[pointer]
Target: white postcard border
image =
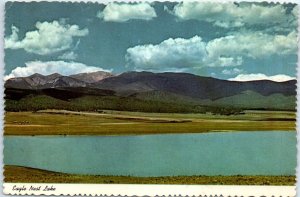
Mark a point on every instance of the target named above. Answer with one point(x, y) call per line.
point(149, 190)
point(139, 189)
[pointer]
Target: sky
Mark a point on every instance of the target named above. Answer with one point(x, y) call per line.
point(233, 41)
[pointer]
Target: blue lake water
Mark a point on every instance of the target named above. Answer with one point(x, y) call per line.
point(221, 153)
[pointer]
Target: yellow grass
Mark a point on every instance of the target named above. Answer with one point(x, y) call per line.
point(58, 122)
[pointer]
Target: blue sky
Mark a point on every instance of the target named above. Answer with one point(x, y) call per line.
point(236, 41)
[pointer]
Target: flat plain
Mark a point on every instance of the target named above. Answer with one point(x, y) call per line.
point(62, 122)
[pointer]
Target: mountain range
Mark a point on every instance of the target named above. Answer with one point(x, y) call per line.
point(38, 81)
point(165, 87)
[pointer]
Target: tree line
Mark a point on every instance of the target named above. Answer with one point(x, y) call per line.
point(98, 103)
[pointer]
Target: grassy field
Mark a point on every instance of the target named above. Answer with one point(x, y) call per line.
point(16, 174)
point(59, 122)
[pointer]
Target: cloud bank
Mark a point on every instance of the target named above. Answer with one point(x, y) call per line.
point(228, 15)
point(252, 45)
point(121, 12)
point(182, 54)
point(46, 68)
point(260, 76)
point(49, 38)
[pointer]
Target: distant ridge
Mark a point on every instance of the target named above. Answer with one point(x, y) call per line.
point(190, 85)
point(140, 90)
point(129, 83)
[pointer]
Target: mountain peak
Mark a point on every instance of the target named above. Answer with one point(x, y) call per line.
point(54, 75)
point(36, 75)
point(92, 77)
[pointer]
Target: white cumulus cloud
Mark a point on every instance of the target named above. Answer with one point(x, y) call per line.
point(171, 54)
point(233, 14)
point(121, 12)
point(50, 67)
point(260, 76)
point(182, 54)
point(48, 38)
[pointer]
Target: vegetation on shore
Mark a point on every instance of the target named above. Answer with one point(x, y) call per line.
point(17, 174)
point(96, 103)
point(60, 122)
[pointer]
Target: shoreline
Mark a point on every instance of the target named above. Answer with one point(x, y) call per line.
point(142, 134)
point(19, 174)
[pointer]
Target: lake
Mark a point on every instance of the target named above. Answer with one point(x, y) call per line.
point(218, 153)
